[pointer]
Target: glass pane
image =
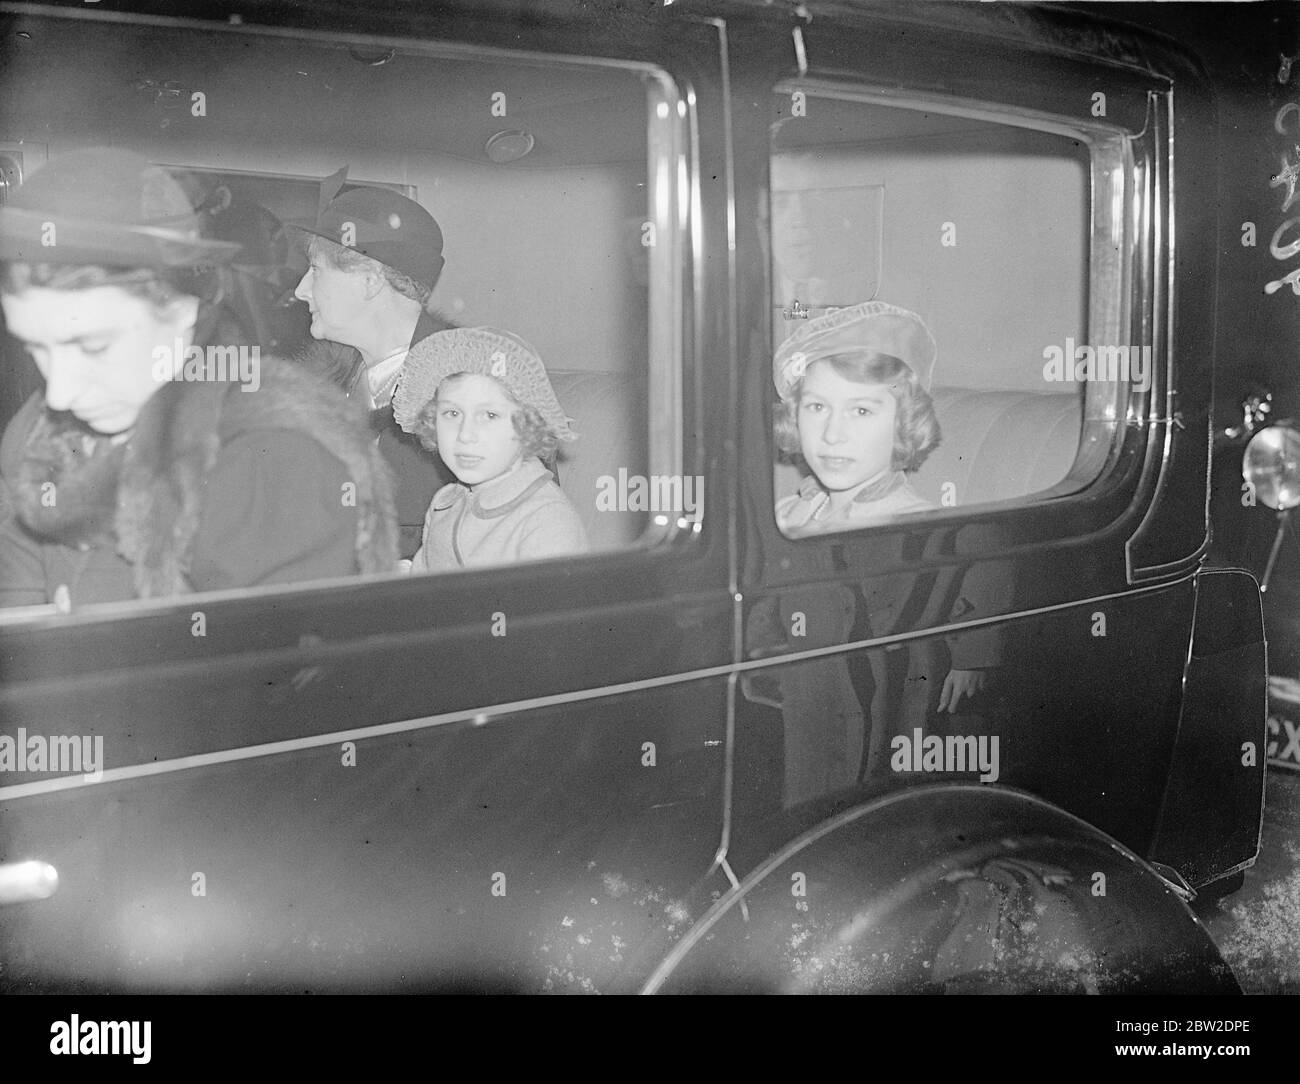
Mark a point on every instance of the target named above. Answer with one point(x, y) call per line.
point(981, 233)
point(555, 186)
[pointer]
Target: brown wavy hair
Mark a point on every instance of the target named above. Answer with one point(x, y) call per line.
point(535, 437)
point(916, 428)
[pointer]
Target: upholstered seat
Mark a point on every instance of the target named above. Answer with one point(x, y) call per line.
point(1000, 445)
point(997, 445)
point(609, 414)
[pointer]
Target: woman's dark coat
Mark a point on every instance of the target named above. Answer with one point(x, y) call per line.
point(216, 488)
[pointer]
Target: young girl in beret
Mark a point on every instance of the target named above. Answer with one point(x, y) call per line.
point(481, 399)
point(854, 403)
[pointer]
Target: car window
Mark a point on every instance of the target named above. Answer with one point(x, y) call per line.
point(555, 184)
point(993, 235)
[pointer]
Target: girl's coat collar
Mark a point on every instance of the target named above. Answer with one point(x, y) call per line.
point(498, 497)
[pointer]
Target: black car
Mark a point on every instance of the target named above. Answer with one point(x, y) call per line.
point(996, 742)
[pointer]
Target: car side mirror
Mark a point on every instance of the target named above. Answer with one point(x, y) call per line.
point(1271, 467)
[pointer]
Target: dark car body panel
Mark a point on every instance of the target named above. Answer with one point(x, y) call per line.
point(1220, 720)
point(443, 858)
point(374, 789)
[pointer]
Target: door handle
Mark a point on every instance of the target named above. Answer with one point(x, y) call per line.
point(22, 881)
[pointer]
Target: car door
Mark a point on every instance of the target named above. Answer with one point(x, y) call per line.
point(508, 778)
point(1020, 204)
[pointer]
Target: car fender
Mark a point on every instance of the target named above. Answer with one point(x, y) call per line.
point(953, 888)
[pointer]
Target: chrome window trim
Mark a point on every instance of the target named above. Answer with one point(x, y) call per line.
point(673, 192)
point(672, 183)
point(486, 714)
point(1118, 217)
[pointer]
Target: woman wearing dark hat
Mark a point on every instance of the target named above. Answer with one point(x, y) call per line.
point(149, 466)
point(374, 257)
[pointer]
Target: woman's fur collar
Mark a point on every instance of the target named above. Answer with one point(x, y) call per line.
point(64, 483)
point(158, 475)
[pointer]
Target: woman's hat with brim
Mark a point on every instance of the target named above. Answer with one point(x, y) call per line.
point(381, 224)
point(485, 351)
point(873, 326)
point(108, 207)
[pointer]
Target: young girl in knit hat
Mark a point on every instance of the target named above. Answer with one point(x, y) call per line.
point(855, 405)
point(481, 399)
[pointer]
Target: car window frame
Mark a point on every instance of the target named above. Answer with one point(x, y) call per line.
point(674, 440)
point(1129, 466)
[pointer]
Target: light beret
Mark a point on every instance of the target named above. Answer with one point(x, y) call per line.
point(870, 326)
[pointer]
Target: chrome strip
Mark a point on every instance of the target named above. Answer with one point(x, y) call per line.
point(1164, 293)
point(1004, 113)
point(733, 503)
point(415, 46)
point(482, 716)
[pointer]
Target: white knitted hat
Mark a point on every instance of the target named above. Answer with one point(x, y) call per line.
point(486, 351)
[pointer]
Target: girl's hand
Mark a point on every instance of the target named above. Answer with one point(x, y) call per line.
point(957, 684)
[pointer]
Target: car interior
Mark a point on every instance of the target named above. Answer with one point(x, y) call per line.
point(549, 179)
point(982, 229)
